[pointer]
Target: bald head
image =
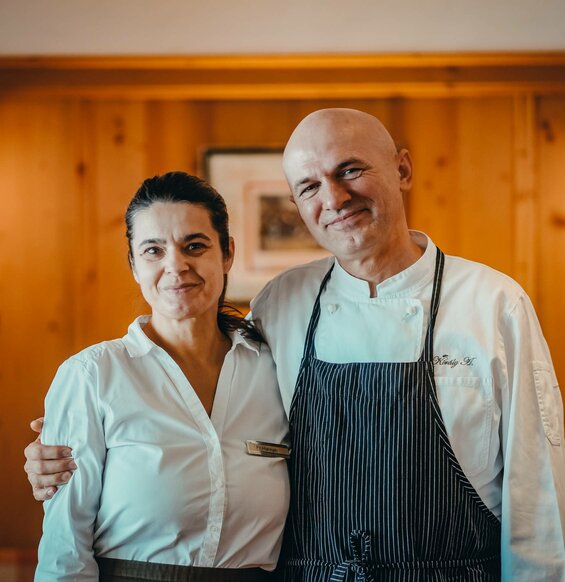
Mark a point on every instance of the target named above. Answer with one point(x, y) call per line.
point(319, 129)
point(348, 180)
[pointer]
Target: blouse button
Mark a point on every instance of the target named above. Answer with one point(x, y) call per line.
point(332, 308)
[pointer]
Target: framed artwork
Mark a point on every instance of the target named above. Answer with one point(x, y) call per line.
point(268, 232)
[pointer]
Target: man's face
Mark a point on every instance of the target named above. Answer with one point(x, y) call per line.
point(347, 184)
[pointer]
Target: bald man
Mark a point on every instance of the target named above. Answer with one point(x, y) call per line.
point(426, 421)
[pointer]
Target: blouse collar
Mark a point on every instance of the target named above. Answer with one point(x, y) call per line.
point(138, 344)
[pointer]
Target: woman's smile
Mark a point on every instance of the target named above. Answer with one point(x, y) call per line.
point(180, 288)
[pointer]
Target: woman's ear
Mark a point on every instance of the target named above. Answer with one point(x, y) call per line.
point(228, 261)
point(132, 267)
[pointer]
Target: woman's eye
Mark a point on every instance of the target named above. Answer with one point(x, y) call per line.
point(152, 252)
point(195, 247)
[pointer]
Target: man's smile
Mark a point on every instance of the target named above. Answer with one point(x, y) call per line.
point(346, 219)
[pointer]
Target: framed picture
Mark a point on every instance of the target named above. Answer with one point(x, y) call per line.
point(269, 234)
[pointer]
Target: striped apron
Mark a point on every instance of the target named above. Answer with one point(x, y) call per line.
point(377, 492)
point(114, 570)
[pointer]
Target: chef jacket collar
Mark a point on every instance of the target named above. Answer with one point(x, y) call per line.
point(138, 344)
point(402, 284)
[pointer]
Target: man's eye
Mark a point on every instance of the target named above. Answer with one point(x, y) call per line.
point(308, 191)
point(152, 251)
point(351, 173)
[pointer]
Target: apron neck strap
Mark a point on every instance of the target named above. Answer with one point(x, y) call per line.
point(309, 349)
point(427, 353)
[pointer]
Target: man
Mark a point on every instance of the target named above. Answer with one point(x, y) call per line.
point(425, 416)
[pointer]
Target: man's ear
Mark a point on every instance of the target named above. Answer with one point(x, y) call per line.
point(405, 169)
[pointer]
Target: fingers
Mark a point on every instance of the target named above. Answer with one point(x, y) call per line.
point(36, 424)
point(41, 481)
point(35, 451)
point(43, 494)
point(47, 467)
point(45, 476)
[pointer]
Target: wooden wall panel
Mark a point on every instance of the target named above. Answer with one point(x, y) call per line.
point(551, 188)
point(37, 303)
point(483, 176)
point(176, 131)
point(462, 152)
point(243, 123)
point(526, 199)
point(433, 203)
point(484, 187)
point(119, 141)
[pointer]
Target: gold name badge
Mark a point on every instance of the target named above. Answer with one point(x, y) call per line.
point(263, 449)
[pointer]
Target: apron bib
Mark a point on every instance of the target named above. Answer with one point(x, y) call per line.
point(377, 492)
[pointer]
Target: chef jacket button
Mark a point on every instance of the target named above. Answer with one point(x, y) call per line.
point(332, 307)
point(410, 311)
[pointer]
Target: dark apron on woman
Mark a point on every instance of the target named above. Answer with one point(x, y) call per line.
point(113, 570)
point(377, 492)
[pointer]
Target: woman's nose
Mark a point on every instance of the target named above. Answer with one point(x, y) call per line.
point(176, 262)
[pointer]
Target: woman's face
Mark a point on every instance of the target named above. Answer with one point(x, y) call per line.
point(177, 260)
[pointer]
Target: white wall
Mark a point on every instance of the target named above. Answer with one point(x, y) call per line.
point(58, 27)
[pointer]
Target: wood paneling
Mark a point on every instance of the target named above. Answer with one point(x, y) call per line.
point(433, 207)
point(38, 304)
point(551, 226)
point(259, 78)
point(526, 200)
point(489, 176)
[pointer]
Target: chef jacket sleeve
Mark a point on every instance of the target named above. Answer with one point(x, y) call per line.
point(72, 417)
point(533, 493)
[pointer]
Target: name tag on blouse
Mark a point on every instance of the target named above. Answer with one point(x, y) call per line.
point(263, 449)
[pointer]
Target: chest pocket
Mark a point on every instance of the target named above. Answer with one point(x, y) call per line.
point(469, 414)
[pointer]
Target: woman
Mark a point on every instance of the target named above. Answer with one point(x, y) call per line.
point(159, 420)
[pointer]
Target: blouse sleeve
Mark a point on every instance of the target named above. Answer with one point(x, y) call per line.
point(72, 417)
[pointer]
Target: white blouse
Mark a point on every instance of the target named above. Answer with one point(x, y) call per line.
point(158, 480)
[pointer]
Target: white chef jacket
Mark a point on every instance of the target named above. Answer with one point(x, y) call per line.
point(495, 381)
point(158, 480)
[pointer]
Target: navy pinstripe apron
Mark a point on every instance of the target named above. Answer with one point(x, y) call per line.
point(377, 492)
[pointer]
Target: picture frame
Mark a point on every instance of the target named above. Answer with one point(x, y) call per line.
point(269, 235)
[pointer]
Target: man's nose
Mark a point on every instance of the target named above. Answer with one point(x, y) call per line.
point(334, 195)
